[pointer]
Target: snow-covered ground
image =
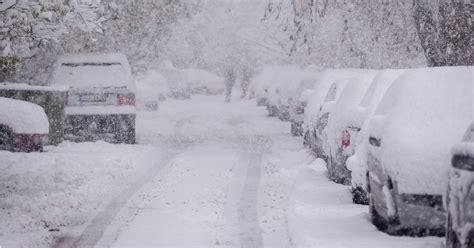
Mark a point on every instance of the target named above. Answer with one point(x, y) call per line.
point(206, 173)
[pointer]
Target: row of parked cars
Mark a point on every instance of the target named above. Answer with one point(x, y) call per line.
point(402, 139)
point(91, 97)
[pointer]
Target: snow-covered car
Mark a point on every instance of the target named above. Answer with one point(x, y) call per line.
point(319, 138)
point(151, 89)
point(357, 118)
point(460, 195)
point(24, 126)
point(320, 89)
point(344, 123)
point(284, 85)
point(422, 115)
point(204, 82)
point(260, 84)
point(177, 83)
point(297, 112)
point(101, 100)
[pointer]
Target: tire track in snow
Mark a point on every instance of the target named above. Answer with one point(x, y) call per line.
point(94, 231)
point(250, 231)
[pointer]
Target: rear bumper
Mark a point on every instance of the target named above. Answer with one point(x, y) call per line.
point(113, 128)
point(29, 142)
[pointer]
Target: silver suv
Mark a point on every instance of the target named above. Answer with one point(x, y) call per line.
point(101, 99)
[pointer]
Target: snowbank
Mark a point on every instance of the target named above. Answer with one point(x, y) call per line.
point(321, 214)
point(426, 112)
point(23, 117)
point(93, 70)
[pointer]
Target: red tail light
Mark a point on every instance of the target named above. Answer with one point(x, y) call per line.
point(345, 139)
point(126, 100)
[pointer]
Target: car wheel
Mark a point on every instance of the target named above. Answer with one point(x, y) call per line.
point(375, 217)
point(359, 196)
point(125, 133)
point(452, 240)
point(6, 139)
point(470, 241)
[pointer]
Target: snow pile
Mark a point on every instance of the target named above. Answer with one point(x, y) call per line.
point(56, 193)
point(23, 117)
point(321, 214)
point(93, 70)
point(426, 112)
point(357, 163)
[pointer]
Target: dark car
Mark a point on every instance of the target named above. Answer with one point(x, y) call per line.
point(101, 100)
point(24, 126)
point(460, 195)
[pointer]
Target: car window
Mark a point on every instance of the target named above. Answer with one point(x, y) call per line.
point(331, 95)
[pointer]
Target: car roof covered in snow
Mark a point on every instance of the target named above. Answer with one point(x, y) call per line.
point(322, 86)
point(23, 117)
point(23, 86)
point(93, 70)
point(466, 147)
point(153, 80)
point(423, 114)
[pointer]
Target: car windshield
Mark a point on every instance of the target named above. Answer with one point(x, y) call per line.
point(463, 162)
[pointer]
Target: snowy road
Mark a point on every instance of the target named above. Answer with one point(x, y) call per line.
point(206, 174)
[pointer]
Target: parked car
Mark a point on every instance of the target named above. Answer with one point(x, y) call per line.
point(423, 114)
point(344, 123)
point(204, 82)
point(320, 89)
point(260, 84)
point(356, 142)
point(101, 101)
point(151, 89)
point(297, 112)
point(293, 93)
point(177, 83)
point(284, 85)
point(319, 134)
point(51, 98)
point(24, 126)
point(460, 195)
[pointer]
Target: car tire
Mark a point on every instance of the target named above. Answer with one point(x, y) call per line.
point(126, 132)
point(452, 240)
point(375, 217)
point(359, 196)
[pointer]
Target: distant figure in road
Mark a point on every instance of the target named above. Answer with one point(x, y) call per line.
point(245, 83)
point(229, 83)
